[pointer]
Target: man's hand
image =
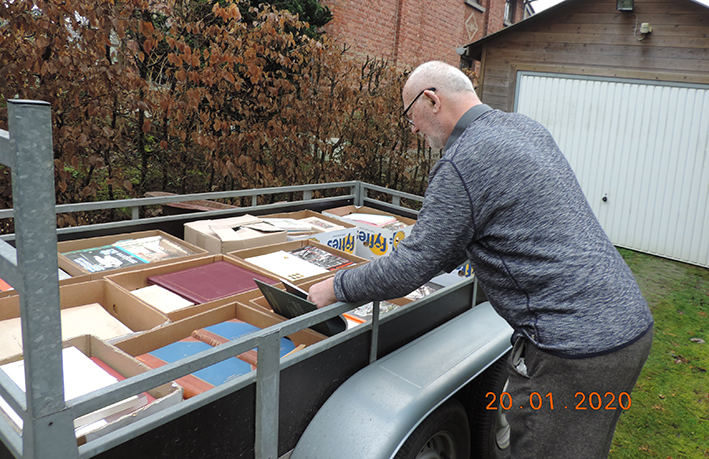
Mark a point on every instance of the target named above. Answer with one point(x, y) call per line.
point(322, 293)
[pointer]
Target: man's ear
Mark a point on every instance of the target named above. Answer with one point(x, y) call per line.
point(434, 100)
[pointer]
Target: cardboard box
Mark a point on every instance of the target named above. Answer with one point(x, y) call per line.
point(371, 241)
point(74, 269)
point(67, 281)
point(288, 246)
point(337, 239)
point(119, 304)
point(178, 330)
point(165, 395)
point(132, 280)
point(229, 234)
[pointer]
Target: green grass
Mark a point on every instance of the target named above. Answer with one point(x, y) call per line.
point(669, 417)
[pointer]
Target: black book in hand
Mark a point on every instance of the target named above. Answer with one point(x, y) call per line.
point(290, 306)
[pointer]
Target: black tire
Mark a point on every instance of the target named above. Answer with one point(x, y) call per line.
point(489, 432)
point(444, 434)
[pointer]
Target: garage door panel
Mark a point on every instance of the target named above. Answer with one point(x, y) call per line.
point(641, 144)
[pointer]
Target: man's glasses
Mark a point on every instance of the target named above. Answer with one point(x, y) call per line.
point(406, 110)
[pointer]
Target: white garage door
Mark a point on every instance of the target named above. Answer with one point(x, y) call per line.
point(640, 150)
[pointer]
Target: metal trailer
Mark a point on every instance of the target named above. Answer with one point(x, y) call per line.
point(415, 383)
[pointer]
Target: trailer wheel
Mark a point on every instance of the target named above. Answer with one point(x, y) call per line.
point(489, 431)
point(444, 434)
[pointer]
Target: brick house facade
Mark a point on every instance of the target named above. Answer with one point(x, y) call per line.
point(409, 32)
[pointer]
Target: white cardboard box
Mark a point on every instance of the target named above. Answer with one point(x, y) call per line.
point(229, 234)
point(371, 241)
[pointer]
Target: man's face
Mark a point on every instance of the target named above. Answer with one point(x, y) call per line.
point(424, 120)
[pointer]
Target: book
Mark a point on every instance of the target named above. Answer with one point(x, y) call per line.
point(395, 225)
point(211, 281)
point(201, 380)
point(291, 306)
point(424, 290)
point(321, 224)
point(153, 248)
point(104, 258)
point(90, 319)
point(232, 329)
point(161, 298)
point(289, 224)
point(365, 312)
point(371, 219)
point(321, 258)
point(4, 286)
point(81, 376)
point(286, 265)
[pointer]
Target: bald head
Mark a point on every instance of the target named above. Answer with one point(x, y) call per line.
point(442, 76)
point(437, 95)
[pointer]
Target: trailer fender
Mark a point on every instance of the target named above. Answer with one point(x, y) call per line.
point(372, 414)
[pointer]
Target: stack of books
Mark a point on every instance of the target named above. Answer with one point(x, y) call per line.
point(321, 225)
point(203, 339)
point(82, 375)
point(286, 265)
point(300, 263)
point(204, 283)
point(364, 313)
point(321, 258)
point(382, 221)
point(129, 252)
point(89, 319)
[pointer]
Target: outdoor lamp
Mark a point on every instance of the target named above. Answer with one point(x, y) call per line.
point(625, 5)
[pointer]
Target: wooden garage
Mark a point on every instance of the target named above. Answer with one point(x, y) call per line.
point(624, 88)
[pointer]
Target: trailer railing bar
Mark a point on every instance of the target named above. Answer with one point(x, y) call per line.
point(12, 439)
point(140, 202)
point(8, 264)
point(7, 155)
point(389, 207)
point(394, 193)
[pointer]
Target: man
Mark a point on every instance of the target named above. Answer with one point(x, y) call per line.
point(504, 197)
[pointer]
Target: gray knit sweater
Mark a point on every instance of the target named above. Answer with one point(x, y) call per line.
point(504, 196)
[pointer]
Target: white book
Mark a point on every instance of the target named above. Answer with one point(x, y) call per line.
point(286, 265)
point(81, 376)
point(161, 298)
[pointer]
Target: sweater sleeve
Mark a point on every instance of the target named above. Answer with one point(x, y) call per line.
point(438, 240)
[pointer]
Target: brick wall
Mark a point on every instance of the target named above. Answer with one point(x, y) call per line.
point(409, 32)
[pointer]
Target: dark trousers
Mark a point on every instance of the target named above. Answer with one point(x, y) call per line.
point(588, 396)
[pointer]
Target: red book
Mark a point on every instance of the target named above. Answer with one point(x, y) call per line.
point(212, 281)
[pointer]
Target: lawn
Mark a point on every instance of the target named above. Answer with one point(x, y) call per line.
point(669, 416)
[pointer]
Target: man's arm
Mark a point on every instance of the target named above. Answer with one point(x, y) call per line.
point(440, 237)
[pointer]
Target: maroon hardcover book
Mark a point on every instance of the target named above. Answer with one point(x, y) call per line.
point(211, 281)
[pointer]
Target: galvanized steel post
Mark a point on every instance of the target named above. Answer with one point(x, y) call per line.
point(49, 430)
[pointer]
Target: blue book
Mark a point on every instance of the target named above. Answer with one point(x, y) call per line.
point(200, 380)
point(232, 329)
